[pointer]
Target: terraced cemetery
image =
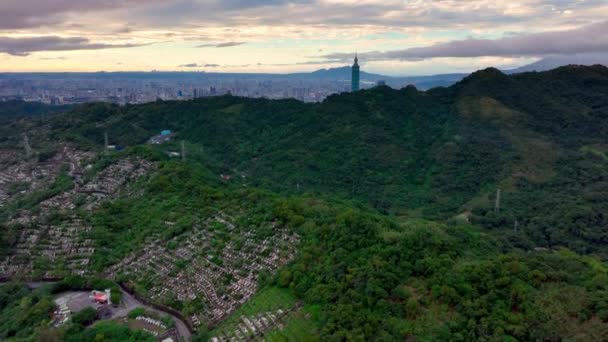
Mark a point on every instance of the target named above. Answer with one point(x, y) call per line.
point(51, 238)
point(213, 277)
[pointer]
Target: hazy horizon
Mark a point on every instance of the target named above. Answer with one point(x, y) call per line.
point(252, 72)
point(282, 36)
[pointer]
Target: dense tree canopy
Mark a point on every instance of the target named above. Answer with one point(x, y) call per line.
point(475, 212)
point(438, 153)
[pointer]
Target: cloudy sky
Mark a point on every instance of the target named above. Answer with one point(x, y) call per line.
point(398, 37)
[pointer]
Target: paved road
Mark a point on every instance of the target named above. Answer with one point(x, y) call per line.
point(128, 303)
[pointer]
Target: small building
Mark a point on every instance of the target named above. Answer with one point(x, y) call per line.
point(162, 138)
point(100, 297)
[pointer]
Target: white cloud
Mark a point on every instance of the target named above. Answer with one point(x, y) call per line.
point(280, 33)
point(25, 46)
point(590, 38)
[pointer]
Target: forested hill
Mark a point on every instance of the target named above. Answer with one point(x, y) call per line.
point(381, 208)
point(14, 108)
point(538, 137)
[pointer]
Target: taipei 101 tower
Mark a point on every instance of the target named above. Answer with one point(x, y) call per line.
point(355, 75)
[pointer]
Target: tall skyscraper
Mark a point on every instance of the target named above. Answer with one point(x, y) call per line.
point(355, 76)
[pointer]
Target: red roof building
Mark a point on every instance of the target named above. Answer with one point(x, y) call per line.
point(100, 297)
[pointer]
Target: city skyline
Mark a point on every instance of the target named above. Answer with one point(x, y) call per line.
point(278, 36)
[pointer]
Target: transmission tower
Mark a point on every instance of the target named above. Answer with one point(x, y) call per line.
point(497, 203)
point(26, 146)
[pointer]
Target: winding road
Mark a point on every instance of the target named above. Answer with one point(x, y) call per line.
point(127, 304)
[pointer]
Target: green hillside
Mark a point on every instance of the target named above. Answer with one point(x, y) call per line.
point(380, 206)
point(539, 137)
point(15, 109)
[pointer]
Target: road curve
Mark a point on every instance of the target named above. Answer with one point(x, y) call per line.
point(128, 303)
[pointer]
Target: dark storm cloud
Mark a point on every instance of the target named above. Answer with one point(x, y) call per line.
point(590, 38)
point(25, 46)
point(221, 45)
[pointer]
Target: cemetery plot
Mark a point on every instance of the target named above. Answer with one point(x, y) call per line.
point(49, 251)
point(254, 326)
point(151, 322)
point(211, 271)
point(297, 326)
point(265, 312)
point(207, 273)
point(52, 240)
point(107, 184)
point(20, 176)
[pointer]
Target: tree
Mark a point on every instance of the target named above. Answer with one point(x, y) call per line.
point(85, 316)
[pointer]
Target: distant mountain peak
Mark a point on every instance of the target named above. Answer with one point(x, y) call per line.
point(552, 62)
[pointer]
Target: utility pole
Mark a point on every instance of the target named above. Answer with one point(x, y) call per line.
point(106, 141)
point(183, 151)
point(497, 203)
point(515, 225)
point(26, 145)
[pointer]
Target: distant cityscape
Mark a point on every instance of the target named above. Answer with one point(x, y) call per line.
point(141, 87)
point(133, 88)
point(66, 90)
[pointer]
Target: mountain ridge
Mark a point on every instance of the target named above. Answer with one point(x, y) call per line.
point(372, 127)
point(381, 212)
point(553, 62)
